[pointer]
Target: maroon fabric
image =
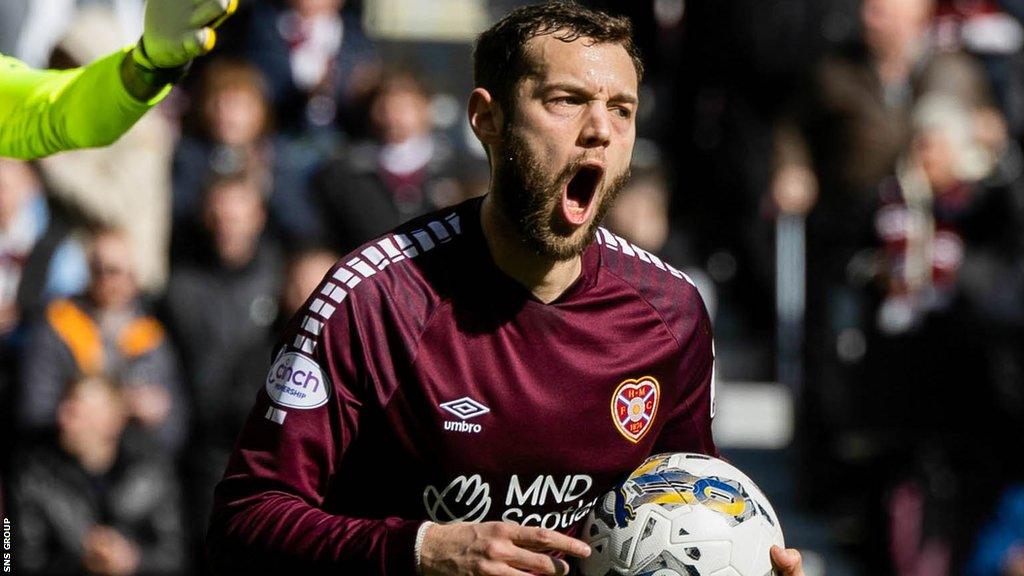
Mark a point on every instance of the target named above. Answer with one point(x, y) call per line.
point(423, 318)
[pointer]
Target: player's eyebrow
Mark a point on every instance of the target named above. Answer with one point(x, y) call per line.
point(623, 97)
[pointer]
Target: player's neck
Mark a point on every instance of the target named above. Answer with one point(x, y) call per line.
point(545, 277)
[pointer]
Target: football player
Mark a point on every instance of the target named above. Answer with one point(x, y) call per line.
point(456, 394)
point(47, 111)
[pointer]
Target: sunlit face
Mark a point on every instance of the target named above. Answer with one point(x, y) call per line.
point(234, 215)
point(235, 116)
point(92, 413)
point(567, 142)
point(641, 214)
point(399, 115)
point(891, 26)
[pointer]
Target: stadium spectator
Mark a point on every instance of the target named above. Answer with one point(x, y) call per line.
point(852, 127)
point(923, 217)
point(319, 66)
point(945, 310)
point(39, 256)
point(94, 500)
point(225, 409)
point(403, 171)
point(220, 308)
point(987, 30)
point(218, 303)
point(124, 185)
point(316, 59)
point(228, 127)
point(104, 331)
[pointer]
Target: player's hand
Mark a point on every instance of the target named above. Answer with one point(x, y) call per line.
point(788, 561)
point(495, 549)
point(177, 31)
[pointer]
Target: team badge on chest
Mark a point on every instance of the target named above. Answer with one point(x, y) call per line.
point(634, 405)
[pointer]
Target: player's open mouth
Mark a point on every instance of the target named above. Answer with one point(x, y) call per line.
point(577, 200)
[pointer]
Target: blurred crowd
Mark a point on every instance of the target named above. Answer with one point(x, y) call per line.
point(142, 286)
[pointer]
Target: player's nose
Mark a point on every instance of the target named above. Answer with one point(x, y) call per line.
point(596, 131)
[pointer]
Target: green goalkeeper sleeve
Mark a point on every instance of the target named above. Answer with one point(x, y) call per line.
point(47, 111)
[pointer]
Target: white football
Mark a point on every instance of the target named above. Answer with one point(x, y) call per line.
point(682, 515)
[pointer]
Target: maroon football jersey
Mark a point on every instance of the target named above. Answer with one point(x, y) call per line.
point(420, 382)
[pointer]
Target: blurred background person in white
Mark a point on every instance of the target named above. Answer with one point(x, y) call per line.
point(402, 170)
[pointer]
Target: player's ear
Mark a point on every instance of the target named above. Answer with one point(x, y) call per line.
point(485, 117)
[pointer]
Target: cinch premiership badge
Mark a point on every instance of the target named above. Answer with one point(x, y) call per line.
point(634, 405)
point(296, 381)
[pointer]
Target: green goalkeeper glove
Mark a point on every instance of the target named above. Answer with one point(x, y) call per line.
point(176, 31)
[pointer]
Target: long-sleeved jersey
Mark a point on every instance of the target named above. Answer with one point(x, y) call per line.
point(419, 383)
point(47, 111)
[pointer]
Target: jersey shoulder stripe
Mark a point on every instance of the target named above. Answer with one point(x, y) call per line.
point(364, 264)
point(615, 243)
point(666, 289)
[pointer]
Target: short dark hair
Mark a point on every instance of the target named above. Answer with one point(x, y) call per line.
point(500, 60)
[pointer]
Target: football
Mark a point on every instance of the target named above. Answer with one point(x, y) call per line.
point(682, 514)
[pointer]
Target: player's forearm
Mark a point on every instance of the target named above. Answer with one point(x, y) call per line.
point(97, 106)
point(276, 531)
point(46, 112)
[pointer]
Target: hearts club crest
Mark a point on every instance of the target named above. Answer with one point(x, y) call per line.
point(634, 405)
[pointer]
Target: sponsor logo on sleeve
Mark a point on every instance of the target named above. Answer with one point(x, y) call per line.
point(634, 405)
point(296, 381)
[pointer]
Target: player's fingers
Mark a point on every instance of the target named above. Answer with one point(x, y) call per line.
point(500, 569)
point(211, 13)
point(199, 42)
point(535, 563)
point(788, 561)
point(535, 538)
point(231, 8)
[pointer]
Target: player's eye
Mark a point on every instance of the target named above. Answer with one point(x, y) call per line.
point(567, 101)
point(622, 112)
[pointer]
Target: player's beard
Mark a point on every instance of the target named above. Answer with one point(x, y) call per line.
point(530, 199)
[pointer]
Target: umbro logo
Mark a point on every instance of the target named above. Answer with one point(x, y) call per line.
point(464, 408)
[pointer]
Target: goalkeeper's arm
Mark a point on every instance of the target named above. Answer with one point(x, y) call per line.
point(45, 111)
